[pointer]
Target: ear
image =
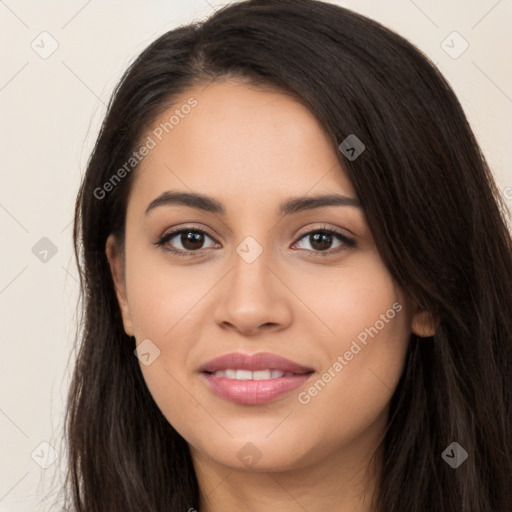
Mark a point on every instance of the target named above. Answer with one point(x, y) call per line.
point(116, 261)
point(424, 323)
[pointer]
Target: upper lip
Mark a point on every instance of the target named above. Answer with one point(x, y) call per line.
point(253, 362)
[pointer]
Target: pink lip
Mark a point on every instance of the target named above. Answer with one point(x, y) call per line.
point(253, 362)
point(253, 392)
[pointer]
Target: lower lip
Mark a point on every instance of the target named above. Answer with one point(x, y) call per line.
point(253, 392)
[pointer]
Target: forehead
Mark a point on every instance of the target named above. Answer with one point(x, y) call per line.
point(238, 141)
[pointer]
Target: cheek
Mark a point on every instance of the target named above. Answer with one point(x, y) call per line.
point(353, 391)
point(351, 299)
point(164, 306)
point(163, 297)
point(365, 349)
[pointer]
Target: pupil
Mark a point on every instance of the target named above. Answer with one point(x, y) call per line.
point(191, 240)
point(322, 241)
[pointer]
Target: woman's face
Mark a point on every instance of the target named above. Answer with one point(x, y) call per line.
point(263, 278)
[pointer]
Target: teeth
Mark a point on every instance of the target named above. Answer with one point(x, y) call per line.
point(256, 375)
point(243, 375)
point(264, 374)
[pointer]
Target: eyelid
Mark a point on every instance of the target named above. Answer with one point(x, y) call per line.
point(188, 227)
point(325, 227)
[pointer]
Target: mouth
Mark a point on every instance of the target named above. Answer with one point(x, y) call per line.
point(253, 379)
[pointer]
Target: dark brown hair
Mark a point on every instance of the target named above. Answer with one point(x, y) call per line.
point(437, 218)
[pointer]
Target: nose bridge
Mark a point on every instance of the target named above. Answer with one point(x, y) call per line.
point(253, 253)
point(251, 295)
point(251, 262)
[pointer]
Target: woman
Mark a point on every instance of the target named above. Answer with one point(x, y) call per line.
point(297, 279)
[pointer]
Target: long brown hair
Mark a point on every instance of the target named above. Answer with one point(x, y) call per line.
point(437, 218)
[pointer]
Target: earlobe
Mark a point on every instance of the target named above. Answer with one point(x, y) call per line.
point(424, 323)
point(115, 260)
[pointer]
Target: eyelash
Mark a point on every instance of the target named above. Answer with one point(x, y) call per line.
point(349, 242)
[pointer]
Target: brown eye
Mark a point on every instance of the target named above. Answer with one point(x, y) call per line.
point(184, 240)
point(191, 240)
point(321, 240)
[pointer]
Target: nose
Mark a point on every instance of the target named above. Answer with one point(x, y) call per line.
point(253, 297)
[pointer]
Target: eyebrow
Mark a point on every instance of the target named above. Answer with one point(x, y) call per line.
point(212, 205)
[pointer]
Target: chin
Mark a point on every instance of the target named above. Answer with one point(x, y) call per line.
point(256, 453)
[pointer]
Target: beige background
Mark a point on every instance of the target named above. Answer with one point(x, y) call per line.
point(50, 113)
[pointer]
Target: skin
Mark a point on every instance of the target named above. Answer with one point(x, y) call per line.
point(252, 148)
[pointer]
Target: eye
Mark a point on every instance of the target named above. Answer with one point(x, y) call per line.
point(190, 239)
point(320, 240)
